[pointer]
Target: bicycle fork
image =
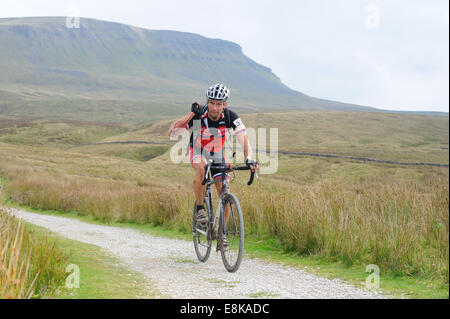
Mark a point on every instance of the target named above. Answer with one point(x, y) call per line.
point(216, 220)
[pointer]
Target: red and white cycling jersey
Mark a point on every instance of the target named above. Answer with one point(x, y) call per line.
point(211, 135)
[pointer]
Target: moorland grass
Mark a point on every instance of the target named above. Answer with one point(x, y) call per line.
point(341, 211)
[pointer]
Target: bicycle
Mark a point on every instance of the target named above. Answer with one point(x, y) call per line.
point(231, 228)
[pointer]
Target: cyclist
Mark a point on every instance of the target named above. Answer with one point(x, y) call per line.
point(210, 124)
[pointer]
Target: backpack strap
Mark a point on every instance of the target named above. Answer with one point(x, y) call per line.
point(204, 108)
point(226, 114)
point(194, 134)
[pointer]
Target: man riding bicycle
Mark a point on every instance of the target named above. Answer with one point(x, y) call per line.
point(210, 124)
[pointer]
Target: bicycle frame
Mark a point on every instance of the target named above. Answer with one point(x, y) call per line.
point(208, 197)
point(224, 181)
point(219, 220)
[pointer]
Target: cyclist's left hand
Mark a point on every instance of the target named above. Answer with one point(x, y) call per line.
point(253, 164)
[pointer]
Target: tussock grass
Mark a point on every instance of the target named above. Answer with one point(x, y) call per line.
point(106, 200)
point(14, 264)
point(401, 226)
point(30, 267)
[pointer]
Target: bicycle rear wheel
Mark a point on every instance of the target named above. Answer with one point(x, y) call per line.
point(202, 238)
point(233, 229)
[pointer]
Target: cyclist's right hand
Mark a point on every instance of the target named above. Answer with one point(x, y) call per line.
point(196, 108)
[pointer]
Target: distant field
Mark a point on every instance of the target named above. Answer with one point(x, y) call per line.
point(397, 137)
point(346, 211)
point(55, 133)
point(408, 138)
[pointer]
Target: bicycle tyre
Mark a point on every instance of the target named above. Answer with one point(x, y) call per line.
point(234, 230)
point(202, 242)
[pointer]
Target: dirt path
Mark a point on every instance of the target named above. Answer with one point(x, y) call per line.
point(173, 266)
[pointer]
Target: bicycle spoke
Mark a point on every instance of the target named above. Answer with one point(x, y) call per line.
point(232, 215)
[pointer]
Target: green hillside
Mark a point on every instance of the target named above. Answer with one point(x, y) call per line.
point(113, 72)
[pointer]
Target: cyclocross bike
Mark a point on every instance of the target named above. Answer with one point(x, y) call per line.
point(229, 228)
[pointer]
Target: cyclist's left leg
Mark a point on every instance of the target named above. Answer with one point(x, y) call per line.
point(219, 187)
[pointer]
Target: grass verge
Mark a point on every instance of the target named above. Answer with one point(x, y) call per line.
point(102, 276)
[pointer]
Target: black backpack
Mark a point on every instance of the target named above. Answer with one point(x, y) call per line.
point(226, 115)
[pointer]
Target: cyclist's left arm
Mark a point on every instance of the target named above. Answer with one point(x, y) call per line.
point(242, 137)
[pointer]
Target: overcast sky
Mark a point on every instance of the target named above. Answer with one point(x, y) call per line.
point(391, 54)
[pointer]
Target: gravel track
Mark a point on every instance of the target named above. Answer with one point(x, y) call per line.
point(173, 266)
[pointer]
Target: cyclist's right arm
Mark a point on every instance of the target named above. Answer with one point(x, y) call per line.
point(181, 123)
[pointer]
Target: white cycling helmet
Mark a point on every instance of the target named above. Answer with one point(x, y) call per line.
point(218, 92)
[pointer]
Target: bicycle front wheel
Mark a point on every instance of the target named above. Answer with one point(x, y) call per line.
point(231, 228)
point(202, 239)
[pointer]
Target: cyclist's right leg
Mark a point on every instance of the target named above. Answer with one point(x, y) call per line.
point(198, 163)
point(199, 189)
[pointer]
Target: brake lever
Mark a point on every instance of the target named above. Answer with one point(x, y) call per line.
point(252, 176)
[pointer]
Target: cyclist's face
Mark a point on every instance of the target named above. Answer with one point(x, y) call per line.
point(215, 108)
